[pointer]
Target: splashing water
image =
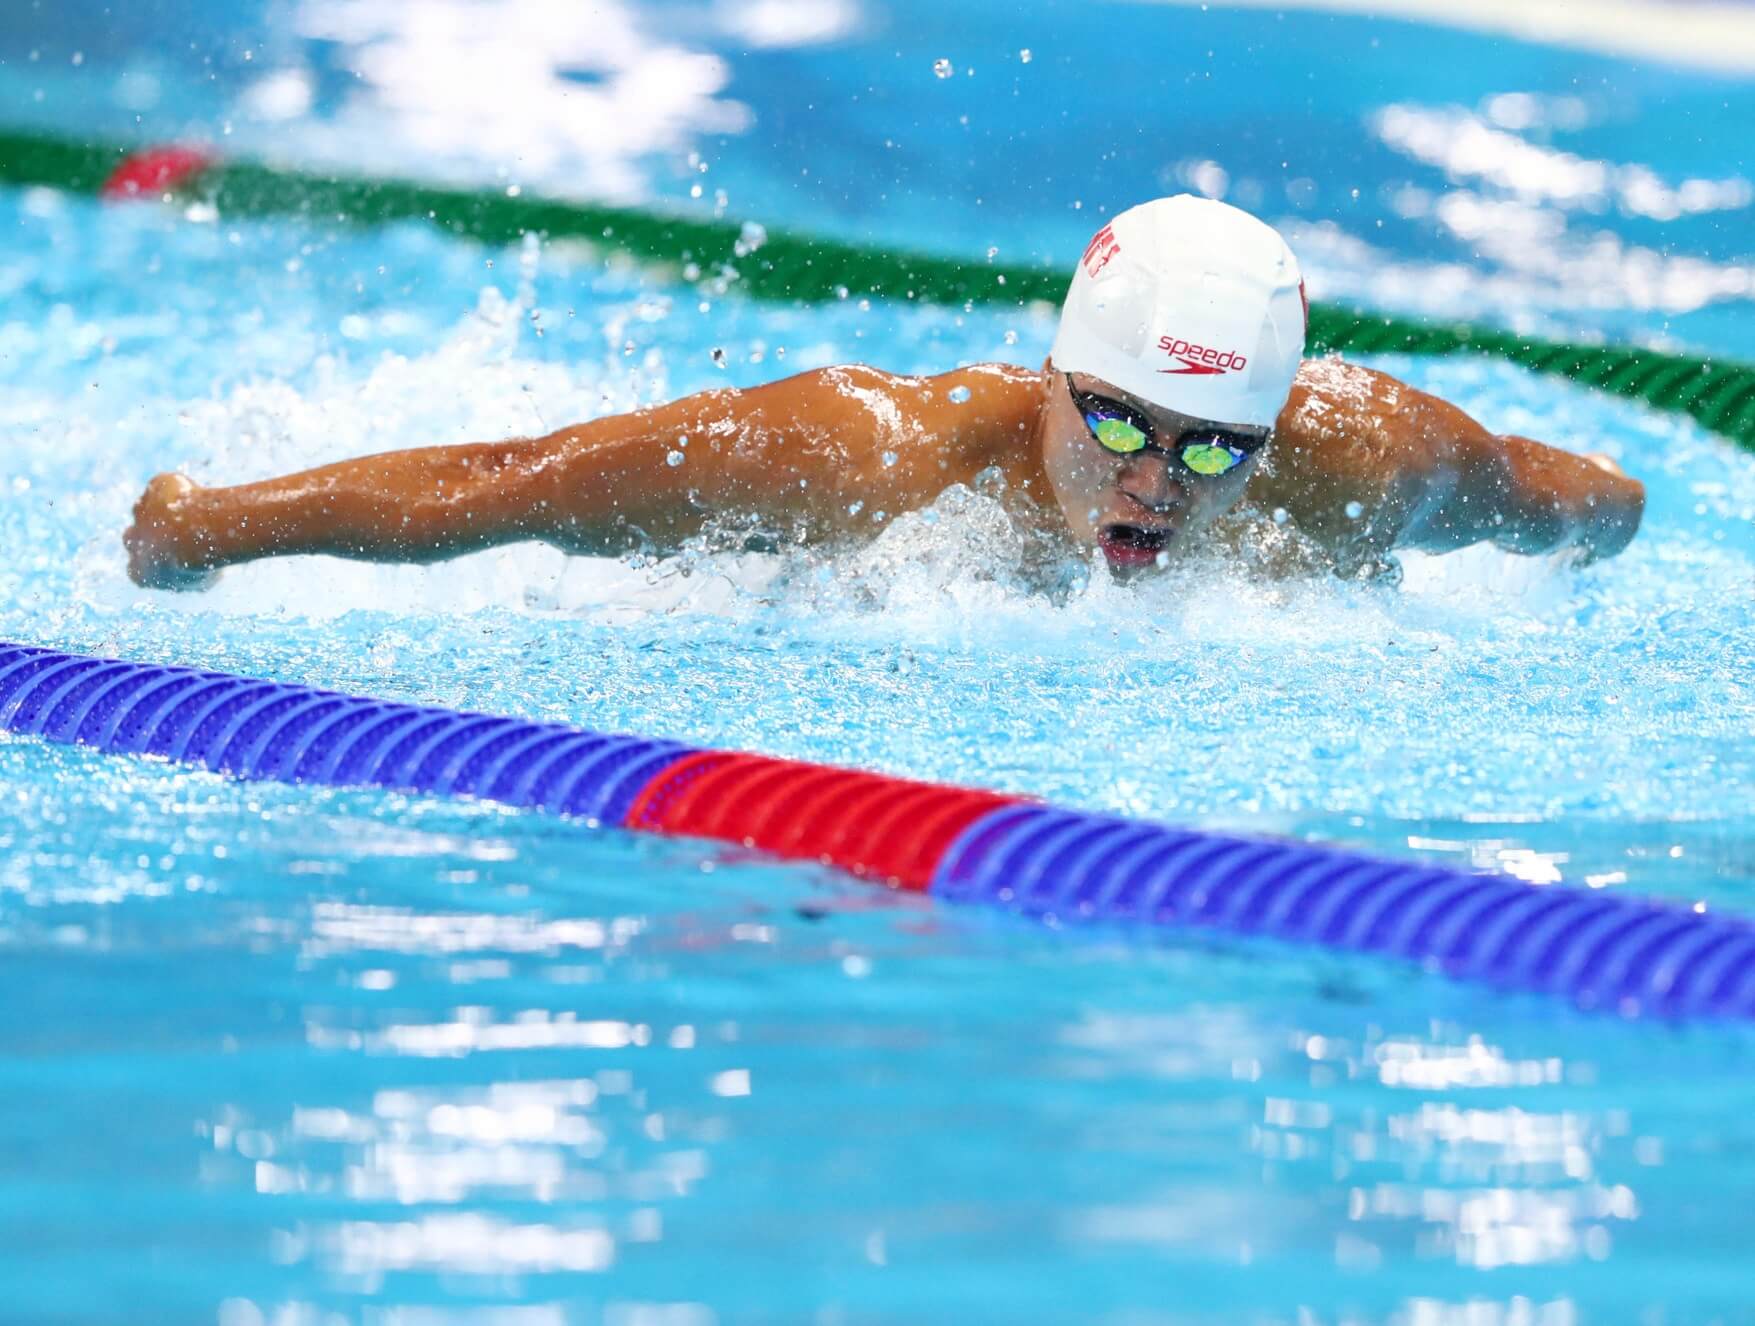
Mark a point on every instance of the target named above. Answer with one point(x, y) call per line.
point(1486, 685)
point(362, 1035)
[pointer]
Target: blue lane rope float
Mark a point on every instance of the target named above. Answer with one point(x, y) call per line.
point(1599, 950)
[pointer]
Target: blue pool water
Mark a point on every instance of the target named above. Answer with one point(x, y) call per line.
point(276, 1055)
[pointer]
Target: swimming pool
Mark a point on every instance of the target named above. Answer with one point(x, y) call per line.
point(295, 1055)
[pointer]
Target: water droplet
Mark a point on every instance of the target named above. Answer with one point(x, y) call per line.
point(888, 458)
point(959, 394)
point(683, 441)
point(856, 508)
point(877, 517)
point(942, 68)
point(1281, 516)
point(1011, 338)
point(750, 238)
point(1354, 510)
point(719, 356)
point(1024, 56)
point(1162, 559)
point(674, 458)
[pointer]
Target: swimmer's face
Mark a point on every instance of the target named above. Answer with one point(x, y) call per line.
point(1140, 506)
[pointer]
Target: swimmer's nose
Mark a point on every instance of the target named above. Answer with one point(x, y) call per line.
point(1149, 480)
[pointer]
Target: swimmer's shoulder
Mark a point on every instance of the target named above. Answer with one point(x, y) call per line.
point(1352, 417)
point(1005, 391)
point(978, 411)
point(1349, 435)
point(913, 432)
point(1329, 390)
point(981, 416)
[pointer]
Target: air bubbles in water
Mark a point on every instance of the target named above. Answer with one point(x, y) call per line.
point(959, 394)
point(1280, 515)
point(1354, 510)
point(1024, 56)
point(888, 458)
point(674, 458)
point(942, 68)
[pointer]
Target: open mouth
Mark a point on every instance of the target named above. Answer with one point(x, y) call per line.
point(1132, 545)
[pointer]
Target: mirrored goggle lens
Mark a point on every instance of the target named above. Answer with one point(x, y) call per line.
point(1210, 457)
point(1118, 435)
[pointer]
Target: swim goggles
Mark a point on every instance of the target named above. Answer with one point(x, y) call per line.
point(1124, 430)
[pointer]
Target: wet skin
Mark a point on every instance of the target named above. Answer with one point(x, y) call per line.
point(1361, 463)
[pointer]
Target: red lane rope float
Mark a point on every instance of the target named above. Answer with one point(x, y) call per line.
point(155, 171)
point(890, 830)
point(1595, 948)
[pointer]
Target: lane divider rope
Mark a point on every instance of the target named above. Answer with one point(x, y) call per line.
point(797, 268)
point(1599, 950)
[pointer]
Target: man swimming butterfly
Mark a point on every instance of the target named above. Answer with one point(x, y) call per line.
point(1175, 391)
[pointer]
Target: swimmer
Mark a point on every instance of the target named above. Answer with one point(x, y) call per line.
point(1176, 391)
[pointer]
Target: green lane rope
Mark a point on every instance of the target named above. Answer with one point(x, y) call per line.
point(798, 268)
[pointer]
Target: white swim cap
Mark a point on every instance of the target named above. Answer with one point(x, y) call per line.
point(1190, 304)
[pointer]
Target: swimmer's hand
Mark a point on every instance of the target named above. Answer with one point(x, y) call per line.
point(161, 550)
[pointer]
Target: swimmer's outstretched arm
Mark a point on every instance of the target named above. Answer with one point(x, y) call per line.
point(1370, 464)
point(573, 488)
point(1522, 495)
point(802, 453)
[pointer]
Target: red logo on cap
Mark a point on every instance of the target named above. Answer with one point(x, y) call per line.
point(1100, 250)
point(1201, 359)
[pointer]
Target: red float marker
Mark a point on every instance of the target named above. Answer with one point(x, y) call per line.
point(155, 171)
point(890, 830)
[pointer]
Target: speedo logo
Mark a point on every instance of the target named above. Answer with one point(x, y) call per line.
point(1202, 359)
